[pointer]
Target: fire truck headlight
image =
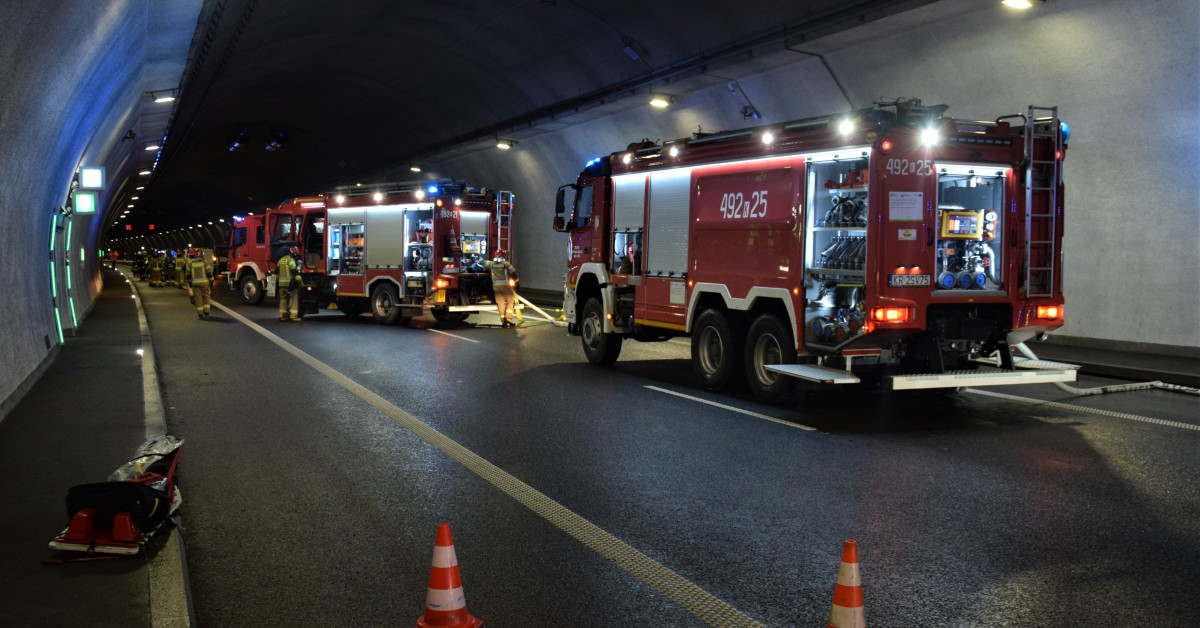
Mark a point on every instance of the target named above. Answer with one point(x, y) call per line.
point(1049, 312)
point(846, 127)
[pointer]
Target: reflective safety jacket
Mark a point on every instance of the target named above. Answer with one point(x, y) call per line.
point(501, 271)
point(199, 272)
point(287, 269)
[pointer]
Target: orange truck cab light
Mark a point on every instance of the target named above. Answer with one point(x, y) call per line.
point(1049, 312)
point(891, 314)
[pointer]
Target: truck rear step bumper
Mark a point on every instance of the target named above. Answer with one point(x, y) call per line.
point(1026, 372)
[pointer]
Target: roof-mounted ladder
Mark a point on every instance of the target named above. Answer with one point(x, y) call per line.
point(1042, 173)
point(504, 208)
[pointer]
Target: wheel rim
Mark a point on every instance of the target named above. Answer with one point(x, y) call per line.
point(248, 290)
point(383, 303)
point(766, 351)
point(591, 331)
point(712, 350)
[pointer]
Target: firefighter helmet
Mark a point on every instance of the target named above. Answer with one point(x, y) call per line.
point(500, 253)
point(295, 250)
point(195, 253)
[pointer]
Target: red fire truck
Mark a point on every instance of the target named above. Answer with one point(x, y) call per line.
point(394, 250)
point(893, 243)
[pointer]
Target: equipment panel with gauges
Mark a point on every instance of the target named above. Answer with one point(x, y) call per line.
point(968, 245)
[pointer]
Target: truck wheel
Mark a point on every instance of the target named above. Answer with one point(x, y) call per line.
point(385, 304)
point(251, 289)
point(446, 316)
point(768, 342)
point(716, 351)
point(599, 347)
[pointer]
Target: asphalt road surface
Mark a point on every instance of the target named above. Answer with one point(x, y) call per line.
point(321, 456)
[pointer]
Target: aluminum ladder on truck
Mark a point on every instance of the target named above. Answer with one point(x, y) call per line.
point(504, 207)
point(1041, 182)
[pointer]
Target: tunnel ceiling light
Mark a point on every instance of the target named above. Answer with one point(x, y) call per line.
point(661, 101)
point(415, 168)
point(151, 146)
point(504, 144)
point(143, 173)
point(1021, 4)
point(163, 95)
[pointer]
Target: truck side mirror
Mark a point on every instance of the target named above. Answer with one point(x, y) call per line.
point(560, 209)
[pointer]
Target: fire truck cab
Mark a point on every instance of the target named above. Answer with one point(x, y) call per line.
point(893, 243)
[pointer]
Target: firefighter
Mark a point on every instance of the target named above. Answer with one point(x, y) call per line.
point(180, 270)
point(156, 269)
point(502, 272)
point(287, 285)
point(113, 256)
point(200, 277)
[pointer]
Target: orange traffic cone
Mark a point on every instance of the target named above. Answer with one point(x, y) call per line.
point(847, 611)
point(445, 603)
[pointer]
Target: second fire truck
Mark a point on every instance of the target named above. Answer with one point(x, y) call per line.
point(892, 242)
point(395, 251)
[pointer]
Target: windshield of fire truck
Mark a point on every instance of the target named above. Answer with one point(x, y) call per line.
point(970, 213)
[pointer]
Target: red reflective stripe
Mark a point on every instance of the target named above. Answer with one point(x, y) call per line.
point(847, 596)
point(444, 578)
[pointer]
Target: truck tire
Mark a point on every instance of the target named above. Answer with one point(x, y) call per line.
point(251, 289)
point(446, 316)
point(385, 304)
point(716, 351)
point(599, 347)
point(769, 342)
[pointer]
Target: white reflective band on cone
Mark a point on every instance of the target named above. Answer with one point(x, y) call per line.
point(848, 575)
point(445, 600)
point(443, 557)
point(842, 617)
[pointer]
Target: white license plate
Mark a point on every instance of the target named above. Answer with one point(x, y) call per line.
point(908, 281)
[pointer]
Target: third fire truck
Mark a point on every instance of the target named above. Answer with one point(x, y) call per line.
point(894, 243)
point(394, 250)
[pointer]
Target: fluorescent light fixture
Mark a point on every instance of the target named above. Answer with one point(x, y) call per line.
point(414, 168)
point(166, 95)
point(152, 146)
point(84, 202)
point(144, 173)
point(1021, 4)
point(661, 101)
point(91, 178)
point(504, 144)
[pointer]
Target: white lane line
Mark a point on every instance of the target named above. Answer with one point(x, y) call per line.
point(734, 409)
point(438, 331)
point(1084, 409)
point(687, 595)
point(166, 573)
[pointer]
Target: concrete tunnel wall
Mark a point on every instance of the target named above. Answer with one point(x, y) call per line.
point(72, 80)
point(1123, 73)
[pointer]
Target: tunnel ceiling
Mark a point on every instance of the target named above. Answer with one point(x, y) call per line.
point(350, 88)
